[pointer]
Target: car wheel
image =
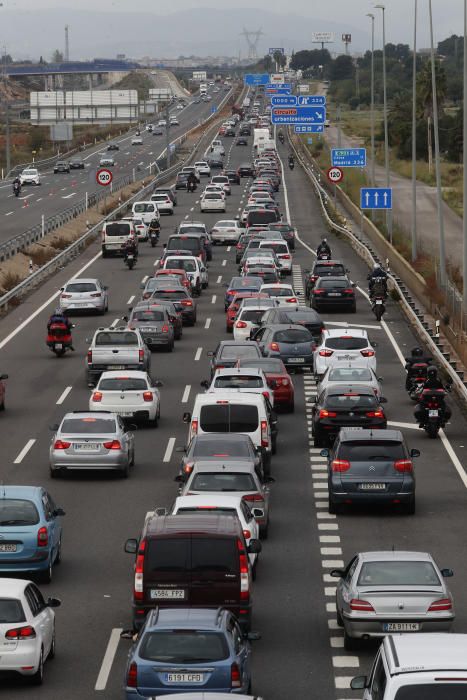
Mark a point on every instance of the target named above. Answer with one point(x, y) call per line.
point(125, 472)
point(350, 643)
point(353, 310)
point(333, 507)
point(53, 473)
point(291, 407)
point(104, 252)
point(170, 348)
point(58, 556)
point(155, 421)
point(2, 406)
point(267, 465)
point(52, 646)
point(409, 508)
point(274, 446)
point(318, 440)
point(38, 677)
point(46, 576)
point(264, 531)
point(339, 619)
point(253, 569)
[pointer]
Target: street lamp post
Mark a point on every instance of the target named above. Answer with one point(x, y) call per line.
point(372, 126)
point(414, 138)
point(385, 113)
point(464, 296)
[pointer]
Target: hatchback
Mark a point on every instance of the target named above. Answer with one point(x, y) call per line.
point(249, 318)
point(294, 345)
point(216, 447)
point(238, 285)
point(132, 394)
point(164, 203)
point(284, 294)
point(344, 346)
point(235, 304)
point(278, 380)
point(31, 532)
point(61, 166)
point(323, 268)
point(180, 298)
point(303, 316)
point(81, 294)
point(154, 324)
point(228, 352)
point(236, 379)
point(212, 201)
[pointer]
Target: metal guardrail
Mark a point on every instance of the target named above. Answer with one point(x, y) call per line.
point(366, 252)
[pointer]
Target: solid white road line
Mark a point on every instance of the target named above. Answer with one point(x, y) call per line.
point(186, 393)
point(63, 395)
point(108, 659)
point(198, 354)
point(24, 451)
point(168, 452)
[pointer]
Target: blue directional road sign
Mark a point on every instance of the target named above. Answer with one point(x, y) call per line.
point(213, 109)
point(348, 157)
point(309, 128)
point(256, 78)
point(272, 51)
point(376, 198)
point(283, 100)
point(298, 115)
point(278, 86)
point(273, 92)
point(307, 100)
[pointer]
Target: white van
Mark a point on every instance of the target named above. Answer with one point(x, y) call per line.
point(249, 414)
point(147, 211)
point(114, 234)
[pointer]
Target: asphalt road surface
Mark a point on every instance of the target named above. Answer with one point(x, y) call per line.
point(301, 652)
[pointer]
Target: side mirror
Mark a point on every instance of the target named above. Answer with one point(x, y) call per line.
point(204, 384)
point(164, 245)
point(180, 449)
point(53, 602)
point(269, 480)
point(237, 218)
point(381, 379)
point(131, 546)
point(59, 512)
point(4, 376)
point(186, 417)
point(252, 636)
point(359, 683)
point(54, 427)
point(354, 284)
point(324, 453)
point(161, 511)
point(374, 344)
point(257, 513)
point(383, 399)
point(254, 547)
point(447, 573)
point(158, 384)
point(415, 453)
point(337, 573)
point(209, 353)
point(180, 478)
point(125, 318)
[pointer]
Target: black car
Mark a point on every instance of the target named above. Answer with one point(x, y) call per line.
point(341, 406)
point(334, 293)
point(245, 130)
point(61, 166)
point(216, 162)
point(371, 467)
point(181, 181)
point(229, 351)
point(212, 447)
point(241, 141)
point(76, 164)
point(287, 232)
point(233, 176)
point(323, 268)
point(246, 170)
point(271, 175)
point(301, 317)
point(181, 299)
point(294, 345)
point(113, 147)
point(229, 132)
point(169, 191)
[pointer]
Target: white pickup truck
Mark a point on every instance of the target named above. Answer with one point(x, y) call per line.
point(114, 349)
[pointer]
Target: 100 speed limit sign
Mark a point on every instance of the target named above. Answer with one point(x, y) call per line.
point(335, 175)
point(104, 177)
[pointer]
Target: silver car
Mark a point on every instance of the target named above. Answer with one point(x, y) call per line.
point(87, 440)
point(357, 376)
point(382, 593)
point(154, 325)
point(82, 294)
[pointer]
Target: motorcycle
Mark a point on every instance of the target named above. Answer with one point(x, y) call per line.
point(59, 339)
point(281, 138)
point(377, 305)
point(153, 238)
point(431, 410)
point(16, 189)
point(191, 186)
point(323, 256)
point(417, 374)
point(130, 260)
point(291, 164)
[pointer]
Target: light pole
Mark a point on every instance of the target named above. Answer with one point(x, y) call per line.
point(464, 296)
point(372, 126)
point(385, 114)
point(414, 138)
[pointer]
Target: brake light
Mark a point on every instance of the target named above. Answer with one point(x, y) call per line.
point(147, 396)
point(363, 605)
point(240, 324)
point(246, 534)
point(264, 434)
point(67, 296)
point(42, 537)
point(97, 396)
point(285, 256)
point(61, 445)
point(274, 346)
point(318, 291)
point(340, 465)
point(132, 676)
point(165, 329)
point(188, 468)
point(252, 497)
point(403, 465)
point(194, 427)
point(313, 278)
point(26, 632)
point(375, 414)
point(441, 604)
point(326, 353)
point(138, 593)
point(367, 353)
point(89, 357)
point(244, 572)
point(291, 300)
point(95, 294)
point(113, 445)
point(235, 677)
point(187, 302)
point(141, 355)
point(327, 414)
point(285, 382)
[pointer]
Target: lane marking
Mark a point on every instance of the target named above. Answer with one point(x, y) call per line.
point(145, 279)
point(114, 323)
point(130, 300)
point(168, 452)
point(24, 451)
point(219, 279)
point(214, 298)
point(63, 395)
point(108, 659)
point(224, 263)
point(228, 248)
point(208, 323)
point(198, 354)
point(186, 393)
point(9, 213)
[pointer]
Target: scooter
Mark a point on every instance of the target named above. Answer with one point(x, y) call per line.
point(377, 305)
point(59, 339)
point(323, 256)
point(433, 407)
point(291, 164)
point(416, 380)
point(191, 186)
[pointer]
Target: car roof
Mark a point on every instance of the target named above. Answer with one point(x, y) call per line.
point(350, 434)
point(11, 491)
point(393, 555)
point(345, 332)
point(12, 587)
point(340, 389)
point(184, 618)
point(432, 652)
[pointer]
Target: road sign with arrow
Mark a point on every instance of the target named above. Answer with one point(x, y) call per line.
point(298, 115)
point(376, 198)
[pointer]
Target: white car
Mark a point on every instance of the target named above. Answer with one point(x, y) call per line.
point(227, 231)
point(343, 346)
point(139, 226)
point(80, 294)
point(162, 122)
point(195, 269)
point(164, 204)
point(203, 168)
point(248, 319)
point(106, 162)
point(129, 393)
point(174, 121)
point(180, 106)
point(136, 141)
point(351, 375)
point(224, 181)
point(282, 252)
point(249, 380)
point(30, 176)
point(214, 188)
point(27, 629)
point(284, 294)
point(217, 146)
point(215, 504)
point(149, 127)
point(212, 201)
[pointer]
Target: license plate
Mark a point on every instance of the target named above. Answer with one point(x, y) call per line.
point(125, 414)
point(184, 677)
point(346, 357)
point(379, 301)
point(372, 487)
point(7, 548)
point(296, 359)
point(58, 346)
point(401, 626)
point(168, 594)
point(334, 294)
point(433, 413)
point(115, 366)
point(85, 446)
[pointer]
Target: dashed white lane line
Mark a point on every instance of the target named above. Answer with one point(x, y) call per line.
point(9, 213)
point(214, 299)
point(219, 279)
point(24, 451)
point(229, 248)
point(198, 354)
point(130, 300)
point(39, 199)
point(345, 661)
point(114, 323)
point(224, 263)
point(108, 659)
point(145, 279)
point(186, 393)
point(63, 395)
point(207, 324)
point(168, 452)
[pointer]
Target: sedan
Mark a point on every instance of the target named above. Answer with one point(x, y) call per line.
point(353, 375)
point(84, 295)
point(30, 533)
point(181, 299)
point(238, 285)
point(323, 268)
point(331, 293)
point(137, 141)
point(132, 394)
point(30, 176)
point(212, 201)
point(216, 161)
point(76, 164)
point(226, 231)
point(283, 293)
point(380, 593)
point(27, 629)
point(231, 448)
point(233, 176)
point(61, 166)
point(228, 352)
point(242, 141)
point(154, 325)
point(113, 147)
point(293, 345)
point(89, 441)
point(246, 170)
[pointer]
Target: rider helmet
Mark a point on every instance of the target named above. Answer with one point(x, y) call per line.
point(417, 352)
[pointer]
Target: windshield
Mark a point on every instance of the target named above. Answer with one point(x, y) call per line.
point(77, 287)
point(346, 343)
point(293, 336)
point(180, 646)
point(119, 338)
point(345, 375)
point(16, 511)
point(398, 573)
point(184, 243)
point(123, 384)
point(253, 315)
point(148, 315)
point(88, 426)
point(238, 382)
point(222, 481)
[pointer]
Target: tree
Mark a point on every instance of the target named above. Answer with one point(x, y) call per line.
point(57, 56)
point(267, 63)
point(342, 68)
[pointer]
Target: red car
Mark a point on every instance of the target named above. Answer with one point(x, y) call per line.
point(235, 305)
point(175, 272)
point(278, 379)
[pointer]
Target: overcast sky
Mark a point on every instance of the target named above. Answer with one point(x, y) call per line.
point(447, 14)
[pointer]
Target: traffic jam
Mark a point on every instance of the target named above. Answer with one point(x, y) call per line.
point(237, 407)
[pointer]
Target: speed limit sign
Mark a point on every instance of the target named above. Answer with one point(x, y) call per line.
point(104, 177)
point(335, 175)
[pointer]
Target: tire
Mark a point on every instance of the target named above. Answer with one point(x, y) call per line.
point(339, 619)
point(333, 507)
point(291, 407)
point(125, 472)
point(52, 647)
point(53, 473)
point(350, 643)
point(104, 252)
point(409, 508)
point(318, 441)
point(253, 569)
point(432, 431)
point(274, 446)
point(353, 310)
point(170, 348)
point(46, 576)
point(38, 677)
point(2, 406)
point(267, 465)
point(58, 556)
point(264, 531)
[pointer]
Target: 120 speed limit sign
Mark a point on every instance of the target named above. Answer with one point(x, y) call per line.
point(104, 177)
point(335, 175)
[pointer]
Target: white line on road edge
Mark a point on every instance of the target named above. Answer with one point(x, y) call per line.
point(169, 450)
point(208, 323)
point(108, 659)
point(198, 354)
point(24, 451)
point(130, 300)
point(186, 393)
point(63, 396)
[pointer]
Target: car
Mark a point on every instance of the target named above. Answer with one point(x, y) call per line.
point(141, 229)
point(149, 127)
point(224, 181)
point(384, 592)
point(238, 285)
point(181, 181)
point(167, 190)
point(249, 317)
point(131, 394)
point(174, 121)
point(155, 326)
point(174, 314)
point(323, 268)
point(212, 201)
point(76, 164)
point(181, 299)
point(229, 132)
point(27, 626)
point(234, 306)
point(106, 162)
point(162, 122)
point(282, 252)
point(354, 375)
point(192, 244)
point(332, 293)
point(137, 141)
point(216, 161)
point(195, 269)
point(114, 234)
point(158, 131)
point(203, 168)
point(278, 380)
point(30, 176)
point(228, 352)
point(303, 316)
point(226, 231)
point(294, 345)
point(343, 345)
point(181, 274)
point(240, 380)
point(284, 294)
point(116, 347)
point(82, 294)
point(113, 147)
point(192, 170)
point(61, 166)
point(164, 203)
point(31, 533)
point(266, 271)
point(231, 448)
point(180, 106)
point(241, 141)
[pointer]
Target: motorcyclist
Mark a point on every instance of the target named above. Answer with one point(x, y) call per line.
point(154, 227)
point(434, 383)
point(130, 247)
point(291, 161)
point(17, 184)
point(191, 182)
point(281, 137)
point(416, 357)
point(377, 272)
point(323, 248)
point(59, 316)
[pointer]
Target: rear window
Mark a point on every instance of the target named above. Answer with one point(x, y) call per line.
point(173, 294)
point(11, 611)
point(398, 573)
point(233, 352)
point(188, 228)
point(187, 265)
point(212, 195)
point(148, 315)
point(112, 338)
point(90, 425)
point(223, 179)
point(273, 366)
point(333, 284)
point(374, 450)
point(80, 287)
point(17, 511)
point(143, 207)
point(351, 401)
point(117, 229)
point(278, 248)
point(229, 418)
point(217, 554)
point(241, 282)
point(238, 382)
point(123, 384)
point(223, 481)
point(322, 270)
point(167, 554)
point(346, 343)
point(280, 292)
point(355, 374)
point(226, 448)
point(184, 243)
point(184, 647)
point(293, 336)
point(253, 315)
point(261, 217)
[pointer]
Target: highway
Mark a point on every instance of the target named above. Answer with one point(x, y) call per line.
point(301, 652)
point(58, 192)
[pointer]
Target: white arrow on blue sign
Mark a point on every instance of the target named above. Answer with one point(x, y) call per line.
point(376, 198)
point(298, 115)
point(309, 128)
point(348, 157)
point(306, 100)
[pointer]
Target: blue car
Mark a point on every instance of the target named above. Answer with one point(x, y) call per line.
point(189, 649)
point(30, 531)
point(240, 284)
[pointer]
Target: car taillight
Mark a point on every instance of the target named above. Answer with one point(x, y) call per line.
point(318, 291)
point(148, 396)
point(141, 355)
point(403, 465)
point(132, 676)
point(112, 445)
point(326, 353)
point(194, 427)
point(367, 353)
point(246, 534)
point(187, 302)
point(441, 604)
point(313, 278)
point(244, 571)
point(66, 296)
point(26, 632)
point(240, 324)
point(340, 465)
point(138, 593)
point(363, 605)
point(97, 396)
point(188, 467)
point(324, 413)
point(89, 357)
point(375, 414)
point(264, 434)
point(146, 295)
point(165, 329)
point(95, 294)
point(291, 300)
point(42, 537)
point(252, 497)
point(274, 346)
point(61, 445)
point(285, 256)
point(348, 291)
point(235, 677)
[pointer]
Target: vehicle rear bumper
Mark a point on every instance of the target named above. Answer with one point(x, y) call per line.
point(14, 661)
point(374, 628)
point(370, 497)
point(150, 694)
point(39, 561)
point(117, 460)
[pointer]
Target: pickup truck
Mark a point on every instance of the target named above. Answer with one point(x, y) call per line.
point(114, 349)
